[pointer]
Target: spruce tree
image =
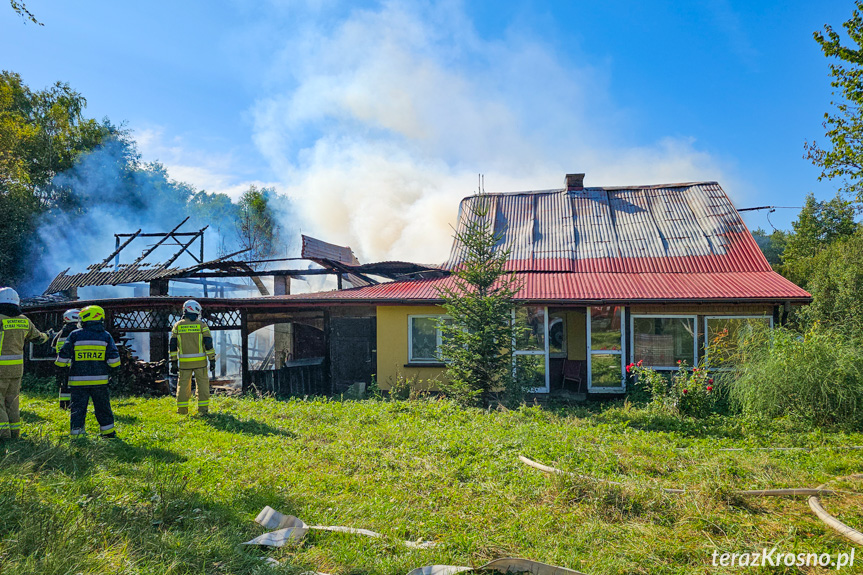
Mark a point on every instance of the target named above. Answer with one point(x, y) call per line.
point(477, 339)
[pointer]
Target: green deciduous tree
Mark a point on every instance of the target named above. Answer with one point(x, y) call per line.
point(843, 128)
point(257, 223)
point(819, 225)
point(835, 280)
point(477, 342)
point(42, 133)
point(772, 245)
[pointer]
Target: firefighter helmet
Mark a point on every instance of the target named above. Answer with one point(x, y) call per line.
point(92, 313)
point(72, 316)
point(191, 306)
point(8, 295)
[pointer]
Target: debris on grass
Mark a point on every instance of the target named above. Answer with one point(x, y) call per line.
point(290, 528)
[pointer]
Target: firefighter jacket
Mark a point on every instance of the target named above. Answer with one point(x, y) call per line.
point(60, 338)
point(89, 352)
point(14, 333)
point(191, 344)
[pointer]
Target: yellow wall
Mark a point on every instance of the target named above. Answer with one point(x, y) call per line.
point(393, 343)
point(576, 335)
point(392, 339)
point(393, 346)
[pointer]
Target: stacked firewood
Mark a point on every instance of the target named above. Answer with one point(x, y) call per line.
point(139, 377)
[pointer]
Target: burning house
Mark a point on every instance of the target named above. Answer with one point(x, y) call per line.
point(609, 275)
point(255, 334)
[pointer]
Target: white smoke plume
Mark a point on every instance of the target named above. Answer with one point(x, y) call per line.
point(378, 125)
point(116, 195)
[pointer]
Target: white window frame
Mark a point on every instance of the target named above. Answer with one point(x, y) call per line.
point(439, 336)
point(34, 358)
point(707, 317)
point(621, 353)
point(694, 319)
point(544, 351)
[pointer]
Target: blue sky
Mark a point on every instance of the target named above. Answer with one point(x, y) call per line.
point(376, 117)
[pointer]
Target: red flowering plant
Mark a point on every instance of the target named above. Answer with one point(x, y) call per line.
point(688, 391)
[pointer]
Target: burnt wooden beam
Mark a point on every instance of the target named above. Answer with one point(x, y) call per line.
point(159, 243)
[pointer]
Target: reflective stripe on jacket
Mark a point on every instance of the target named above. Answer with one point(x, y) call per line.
point(89, 352)
point(15, 332)
point(60, 338)
point(191, 344)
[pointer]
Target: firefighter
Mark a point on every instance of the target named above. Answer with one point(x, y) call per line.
point(90, 354)
point(70, 323)
point(191, 346)
point(15, 331)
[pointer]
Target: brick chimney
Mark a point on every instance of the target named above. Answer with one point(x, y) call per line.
point(574, 182)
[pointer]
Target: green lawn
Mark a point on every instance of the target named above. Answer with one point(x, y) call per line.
point(177, 494)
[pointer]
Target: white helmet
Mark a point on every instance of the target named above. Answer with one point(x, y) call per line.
point(72, 316)
point(8, 295)
point(191, 306)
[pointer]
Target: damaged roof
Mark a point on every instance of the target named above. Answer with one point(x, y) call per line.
point(673, 242)
point(674, 228)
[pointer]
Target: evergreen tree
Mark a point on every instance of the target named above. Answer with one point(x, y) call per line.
point(477, 340)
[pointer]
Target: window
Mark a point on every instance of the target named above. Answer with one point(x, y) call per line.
point(723, 333)
point(424, 338)
point(532, 335)
point(605, 348)
point(663, 340)
point(530, 348)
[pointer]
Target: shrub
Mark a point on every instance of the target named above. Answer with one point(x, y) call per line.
point(816, 376)
point(39, 384)
point(687, 392)
point(404, 388)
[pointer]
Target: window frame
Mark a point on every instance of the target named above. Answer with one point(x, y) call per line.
point(438, 336)
point(515, 352)
point(591, 352)
point(693, 317)
point(34, 357)
point(708, 317)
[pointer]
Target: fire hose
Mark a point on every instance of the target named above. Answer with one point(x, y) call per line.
point(814, 496)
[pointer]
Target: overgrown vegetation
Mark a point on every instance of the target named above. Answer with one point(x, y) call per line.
point(176, 495)
point(816, 376)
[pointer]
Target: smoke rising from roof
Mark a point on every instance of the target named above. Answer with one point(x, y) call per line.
point(379, 126)
point(108, 191)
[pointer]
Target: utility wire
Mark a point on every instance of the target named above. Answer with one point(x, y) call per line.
point(771, 208)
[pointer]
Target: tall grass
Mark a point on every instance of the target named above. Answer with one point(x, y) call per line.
point(177, 495)
point(816, 377)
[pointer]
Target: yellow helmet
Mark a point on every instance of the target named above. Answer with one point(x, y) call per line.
point(92, 313)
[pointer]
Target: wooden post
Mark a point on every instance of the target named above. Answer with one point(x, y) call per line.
point(282, 331)
point(244, 345)
point(158, 337)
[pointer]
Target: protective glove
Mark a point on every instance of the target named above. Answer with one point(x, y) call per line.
point(213, 364)
point(173, 369)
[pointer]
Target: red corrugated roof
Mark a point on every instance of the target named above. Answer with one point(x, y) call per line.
point(594, 286)
point(674, 242)
point(689, 227)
